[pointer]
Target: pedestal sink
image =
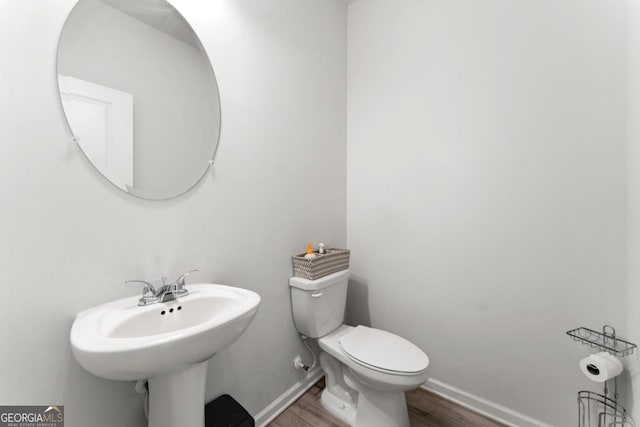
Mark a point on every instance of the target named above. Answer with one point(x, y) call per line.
point(167, 344)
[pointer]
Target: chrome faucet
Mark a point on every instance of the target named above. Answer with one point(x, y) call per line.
point(166, 293)
point(180, 281)
point(148, 292)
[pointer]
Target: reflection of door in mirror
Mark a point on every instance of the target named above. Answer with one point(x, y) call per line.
point(102, 120)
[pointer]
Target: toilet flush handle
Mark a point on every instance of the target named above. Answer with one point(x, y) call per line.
point(316, 295)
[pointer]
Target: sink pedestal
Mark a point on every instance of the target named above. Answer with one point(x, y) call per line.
point(177, 398)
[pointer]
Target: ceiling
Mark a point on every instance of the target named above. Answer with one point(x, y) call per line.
point(158, 14)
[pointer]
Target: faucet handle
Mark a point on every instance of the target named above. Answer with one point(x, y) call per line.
point(148, 291)
point(180, 281)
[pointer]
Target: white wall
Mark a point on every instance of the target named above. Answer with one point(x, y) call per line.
point(486, 187)
point(633, 204)
point(70, 239)
point(175, 102)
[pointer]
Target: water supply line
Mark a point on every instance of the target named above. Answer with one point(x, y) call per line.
point(142, 387)
point(313, 353)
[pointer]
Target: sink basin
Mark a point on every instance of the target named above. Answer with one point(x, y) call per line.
point(166, 343)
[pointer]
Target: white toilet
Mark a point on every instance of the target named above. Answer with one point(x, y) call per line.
point(367, 370)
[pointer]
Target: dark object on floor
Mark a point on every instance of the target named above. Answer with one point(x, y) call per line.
point(224, 411)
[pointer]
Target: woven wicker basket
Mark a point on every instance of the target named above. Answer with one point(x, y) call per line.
point(322, 265)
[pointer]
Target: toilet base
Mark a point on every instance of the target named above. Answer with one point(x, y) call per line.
point(380, 409)
point(355, 403)
point(389, 410)
point(345, 412)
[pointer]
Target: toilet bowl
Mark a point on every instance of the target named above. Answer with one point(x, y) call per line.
point(378, 372)
point(367, 370)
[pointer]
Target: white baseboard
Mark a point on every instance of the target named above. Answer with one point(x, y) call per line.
point(278, 406)
point(482, 406)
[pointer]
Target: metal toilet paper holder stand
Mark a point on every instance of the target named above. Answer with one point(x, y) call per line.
point(608, 412)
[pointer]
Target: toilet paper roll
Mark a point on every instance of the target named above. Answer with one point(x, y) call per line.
point(601, 367)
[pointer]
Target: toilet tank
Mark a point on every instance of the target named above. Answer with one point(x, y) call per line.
point(318, 305)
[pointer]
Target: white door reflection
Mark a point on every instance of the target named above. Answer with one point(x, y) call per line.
point(102, 120)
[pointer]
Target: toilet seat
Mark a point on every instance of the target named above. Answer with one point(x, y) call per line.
point(383, 351)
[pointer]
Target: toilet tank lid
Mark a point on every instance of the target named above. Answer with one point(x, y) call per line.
point(321, 283)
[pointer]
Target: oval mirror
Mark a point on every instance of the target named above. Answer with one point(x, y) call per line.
point(139, 95)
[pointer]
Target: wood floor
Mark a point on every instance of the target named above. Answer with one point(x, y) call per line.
point(425, 410)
